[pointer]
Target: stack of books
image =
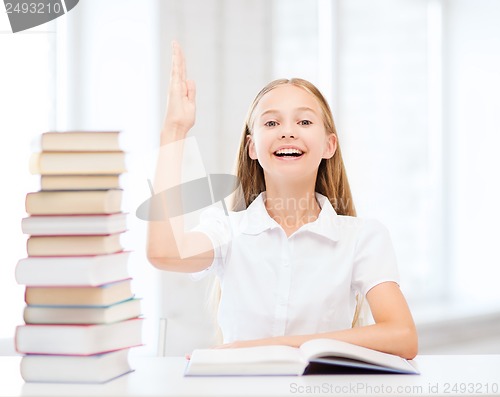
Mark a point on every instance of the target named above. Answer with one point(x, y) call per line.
point(81, 314)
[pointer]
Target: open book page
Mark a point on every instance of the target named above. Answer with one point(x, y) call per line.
point(324, 348)
point(261, 360)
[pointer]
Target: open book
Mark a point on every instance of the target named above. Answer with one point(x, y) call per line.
point(318, 356)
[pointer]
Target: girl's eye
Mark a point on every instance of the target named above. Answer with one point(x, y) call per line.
point(305, 122)
point(271, 123)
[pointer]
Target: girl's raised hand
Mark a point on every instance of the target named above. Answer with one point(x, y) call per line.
point(181, 106)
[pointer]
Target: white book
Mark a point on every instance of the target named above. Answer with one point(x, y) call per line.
point(53, 225)
point(82, 314)
point(84, 340)
point(314, 356)
point(73, 271)
point(98, 368)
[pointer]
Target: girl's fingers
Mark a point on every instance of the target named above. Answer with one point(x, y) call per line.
point(178, 72)
point(181, 93)
point(223, 346)
point(174, 73)
point(191, 90)
point(182, 63)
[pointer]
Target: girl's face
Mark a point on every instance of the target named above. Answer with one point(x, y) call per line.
point(289, 137)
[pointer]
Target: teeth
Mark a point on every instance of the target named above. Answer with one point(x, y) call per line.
point(288, 151)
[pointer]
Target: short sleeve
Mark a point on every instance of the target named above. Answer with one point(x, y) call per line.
point(215, 224)
point(374, 259)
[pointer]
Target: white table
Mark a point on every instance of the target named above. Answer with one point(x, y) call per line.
point(163, 376)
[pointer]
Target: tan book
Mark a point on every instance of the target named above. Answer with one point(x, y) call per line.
point(101, 295)
point(81, 141)
point(79, 182)
point(77, 163)
point(119, 311)
point(74, 202)
point(73, 245)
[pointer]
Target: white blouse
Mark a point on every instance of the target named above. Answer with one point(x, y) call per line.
point(274, 285)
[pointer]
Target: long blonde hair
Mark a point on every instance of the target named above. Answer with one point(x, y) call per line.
point(331, 180)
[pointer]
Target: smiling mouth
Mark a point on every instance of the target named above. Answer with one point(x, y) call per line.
point(288, 153)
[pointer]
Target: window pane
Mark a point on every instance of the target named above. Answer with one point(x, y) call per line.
point(27, 108)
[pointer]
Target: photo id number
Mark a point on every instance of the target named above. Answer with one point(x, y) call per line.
point(33, 8)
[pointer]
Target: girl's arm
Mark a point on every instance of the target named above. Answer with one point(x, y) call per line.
point(169, 247)
point(394, 331)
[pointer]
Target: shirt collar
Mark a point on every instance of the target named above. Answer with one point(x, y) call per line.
point(257, 220)
point(327, 224)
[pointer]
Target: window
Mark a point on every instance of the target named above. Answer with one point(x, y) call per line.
point(27, 103)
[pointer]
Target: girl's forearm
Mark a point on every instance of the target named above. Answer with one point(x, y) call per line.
point(388, 338)
point(400, 340)
point(161, 235)
point(170, 247)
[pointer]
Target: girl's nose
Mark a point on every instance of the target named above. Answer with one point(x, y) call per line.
point(287, 134)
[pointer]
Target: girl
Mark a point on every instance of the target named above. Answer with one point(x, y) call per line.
point(292, 263)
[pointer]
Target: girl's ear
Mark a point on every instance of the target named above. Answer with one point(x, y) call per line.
point(331, 146)
point(251, 148)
